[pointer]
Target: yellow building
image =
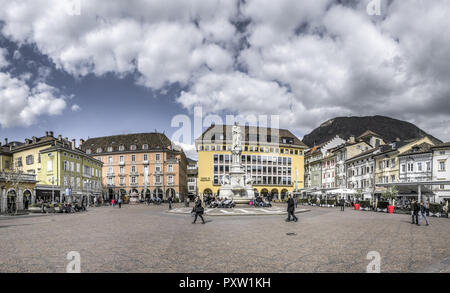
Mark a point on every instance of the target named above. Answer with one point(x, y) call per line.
point(387, 166)
point(273, 158)
point(59, 168)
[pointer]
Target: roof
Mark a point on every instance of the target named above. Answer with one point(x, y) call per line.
point(368, 133)
point(388, 148)
point(418, 149)
point(442, 145)
point(251, 134)
point(371, 151)
point(154, 140)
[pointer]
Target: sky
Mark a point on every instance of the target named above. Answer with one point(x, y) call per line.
point(96, 68)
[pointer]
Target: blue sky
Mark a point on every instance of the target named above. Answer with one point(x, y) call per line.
point(132, 66)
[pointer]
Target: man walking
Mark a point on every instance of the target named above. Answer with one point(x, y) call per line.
point(120, 202)
point(423, 213)
point(415, 215)
point(198, 209)
point(170, 202)
point(291, 210)
point(342, 204)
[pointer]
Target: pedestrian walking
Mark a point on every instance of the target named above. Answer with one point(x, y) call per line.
point(95, 201)
point(120, 202)
point(42, 205)
point(112, 202)
point(198, 209)
point(291, 210)
point(415, 214)
point(170, 202)
point(423, 213)
point(342, 204)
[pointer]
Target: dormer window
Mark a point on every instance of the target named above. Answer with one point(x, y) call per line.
point(110, 149)
point(133, 147)
point(145, 147)
point(88, 151)
point(99, 150)
point(121, 148)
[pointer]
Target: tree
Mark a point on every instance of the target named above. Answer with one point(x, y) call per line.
point(358, 195)
point(14, 177)
point(390, 194)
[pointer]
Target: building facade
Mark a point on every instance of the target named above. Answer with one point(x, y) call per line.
point(146, 164)
point(361, 172)
point(441, 170)
point(416, 164)
point(387, 165)
point(192, 173)
point(58, 167)
point(273, 158)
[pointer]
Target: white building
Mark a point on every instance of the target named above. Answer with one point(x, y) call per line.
point(441, 170)
point(415, 164)
point(361, 172)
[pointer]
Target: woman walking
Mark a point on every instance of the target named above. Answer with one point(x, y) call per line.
point(198, 208)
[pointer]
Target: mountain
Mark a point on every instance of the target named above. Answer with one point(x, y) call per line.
point(388, 128)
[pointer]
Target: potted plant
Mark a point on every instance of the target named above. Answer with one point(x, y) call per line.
point(390, 195)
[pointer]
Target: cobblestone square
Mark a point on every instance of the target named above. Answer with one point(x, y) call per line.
point(148, 239)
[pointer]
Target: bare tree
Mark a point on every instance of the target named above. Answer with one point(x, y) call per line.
point(14, 177)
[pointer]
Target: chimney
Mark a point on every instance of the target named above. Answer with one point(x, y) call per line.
point(6, 140)
point(60, 137)
point(397, 139)
point(81, 142)
point(50, 133)
point(27, 141)
point(34, 139)
point(73, 144)
point(46, 134)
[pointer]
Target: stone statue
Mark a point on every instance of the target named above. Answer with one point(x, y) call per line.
point(236, 137)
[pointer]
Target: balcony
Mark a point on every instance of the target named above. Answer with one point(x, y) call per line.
point(122, 163)
point(158, 183)
point(145, 162)
point(134, 173)
point(134, 184)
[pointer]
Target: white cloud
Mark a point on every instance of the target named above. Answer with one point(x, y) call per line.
point(75, 108)
point(21, 105)
point(305, 60)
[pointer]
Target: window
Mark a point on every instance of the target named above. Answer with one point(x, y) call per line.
point(442, 152)
point(19, 162)
point(133, 147)
point(145, 147)
point(133, 169)
point(122, 169)
point(428, 166)
point(393, 163)
point(442, 166)
point(170, 168)
point(403, 168)
point(145, 157)
point(110, 160)
point(110, 149)
point(65, 166)
point(78, 167)
point(99, 150)
point(170, 179)
point(121, 180)
point(419, 166)
point(121, 159)
point(158, 157)
point(133, 158)
point(121, 148)
point(29, 160)
point(49, 165)
point(88, 151)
